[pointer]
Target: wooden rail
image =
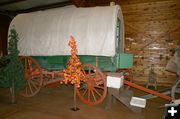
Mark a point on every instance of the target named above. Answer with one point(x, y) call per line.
point(147, 90)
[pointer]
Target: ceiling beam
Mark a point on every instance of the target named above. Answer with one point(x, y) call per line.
point(83, 3)
point(44, 7)
point(10, 2)
point(80, 3)
point(8, 13)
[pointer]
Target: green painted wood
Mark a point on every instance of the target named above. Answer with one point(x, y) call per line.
point(104, 63)
point(125, 61)
point(52, 62)
point(120, 61)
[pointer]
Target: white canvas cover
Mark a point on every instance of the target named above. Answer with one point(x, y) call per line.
point(47, 33)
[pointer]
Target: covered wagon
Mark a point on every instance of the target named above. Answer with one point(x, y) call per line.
point(43, 46)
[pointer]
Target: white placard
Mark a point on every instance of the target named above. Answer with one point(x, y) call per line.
point(138, 102)
point(115, 82)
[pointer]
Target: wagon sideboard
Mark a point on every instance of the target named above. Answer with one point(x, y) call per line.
point(120, 61)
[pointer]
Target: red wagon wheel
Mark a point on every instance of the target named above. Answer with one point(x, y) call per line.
point(33, 77)
point(127, 75)
point(93, 90)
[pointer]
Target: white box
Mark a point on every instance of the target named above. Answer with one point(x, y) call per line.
point(138, 102)
point(115, 82)
point(177, 101)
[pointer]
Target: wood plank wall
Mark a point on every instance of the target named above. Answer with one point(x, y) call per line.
point(152, 31)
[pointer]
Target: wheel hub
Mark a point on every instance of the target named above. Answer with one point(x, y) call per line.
point(91, 83)
point(27, 75)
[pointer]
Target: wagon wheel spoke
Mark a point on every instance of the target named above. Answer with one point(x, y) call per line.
point(35, 81)
point(95, 76)
point(99, 94)
point(34, 84)
point(84, 92)
point(99, 87)
point(33, 69)
point(89, 70)
point(29, 62)
point(29, 86)
point(30, 66)
point(94, 88)
point(98, 77)
point(91, 74)
point(89, 94)
point(94, 97)
point(33, 77)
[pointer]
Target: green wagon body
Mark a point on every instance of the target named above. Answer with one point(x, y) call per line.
point(119, 61)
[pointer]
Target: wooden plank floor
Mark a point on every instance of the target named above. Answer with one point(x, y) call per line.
point(55, 103)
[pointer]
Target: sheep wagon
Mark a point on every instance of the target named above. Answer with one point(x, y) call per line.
point(43, 45)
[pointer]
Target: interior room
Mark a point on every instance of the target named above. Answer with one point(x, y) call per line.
point(89, 59)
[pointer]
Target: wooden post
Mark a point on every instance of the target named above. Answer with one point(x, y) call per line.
point(75, 108)
point(97, 61)
point(12, 90)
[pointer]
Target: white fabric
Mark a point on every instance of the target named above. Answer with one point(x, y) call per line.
point(47, 33)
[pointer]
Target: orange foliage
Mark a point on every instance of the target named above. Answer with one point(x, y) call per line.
point(73, 74)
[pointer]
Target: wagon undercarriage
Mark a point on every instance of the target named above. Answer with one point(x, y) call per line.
point(92, 90)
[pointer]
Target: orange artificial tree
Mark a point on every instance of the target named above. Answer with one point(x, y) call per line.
point(74, 73)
